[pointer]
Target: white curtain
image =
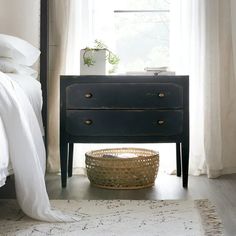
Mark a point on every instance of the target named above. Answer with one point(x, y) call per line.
point(72, 27)
point(59, 16)
point(87, 23)
point(80, 33)
point(203, 46)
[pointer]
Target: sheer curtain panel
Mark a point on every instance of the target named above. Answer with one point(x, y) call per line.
point(203, 46)
point(203, 38)
point(59, 16)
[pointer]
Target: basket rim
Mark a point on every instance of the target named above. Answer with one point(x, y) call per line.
point(89, 154)
point(151, 184)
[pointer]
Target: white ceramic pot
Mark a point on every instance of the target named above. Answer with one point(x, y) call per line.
point(100, 67)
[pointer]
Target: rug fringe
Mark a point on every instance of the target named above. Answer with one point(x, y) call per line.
point(211, 222)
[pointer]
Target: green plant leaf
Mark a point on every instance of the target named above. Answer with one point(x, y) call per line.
point(99, 45)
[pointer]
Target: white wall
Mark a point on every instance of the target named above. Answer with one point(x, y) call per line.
point(21, 18)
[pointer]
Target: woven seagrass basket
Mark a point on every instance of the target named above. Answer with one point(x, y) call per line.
point(106, 169)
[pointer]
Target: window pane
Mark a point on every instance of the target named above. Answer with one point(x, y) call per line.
point(142, 39)
point(138, 31)
point(141, 4)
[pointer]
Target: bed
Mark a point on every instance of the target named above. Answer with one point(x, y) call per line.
point(32, 89)
point(5, 166)
point(21, 128)
point(16, 58)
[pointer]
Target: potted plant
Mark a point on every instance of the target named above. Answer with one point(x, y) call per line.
point(98, 60)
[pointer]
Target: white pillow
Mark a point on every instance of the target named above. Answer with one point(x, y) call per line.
point(18, 49)
point(8, 65)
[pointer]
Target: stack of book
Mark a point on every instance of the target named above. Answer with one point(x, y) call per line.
point(152, 71)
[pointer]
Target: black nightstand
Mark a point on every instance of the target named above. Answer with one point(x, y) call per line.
point(124, 109)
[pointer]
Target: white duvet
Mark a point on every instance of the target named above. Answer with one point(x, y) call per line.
point(5, 168)
point(32, 89)
point(26, 151)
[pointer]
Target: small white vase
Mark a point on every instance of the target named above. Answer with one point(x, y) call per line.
point(100, 67)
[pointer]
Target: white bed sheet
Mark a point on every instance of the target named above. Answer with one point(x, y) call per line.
point(32, 89)
point(5, 166)
point(27, 153)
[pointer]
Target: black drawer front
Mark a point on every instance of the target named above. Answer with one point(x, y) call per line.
point(121, 96)
point(124, 123)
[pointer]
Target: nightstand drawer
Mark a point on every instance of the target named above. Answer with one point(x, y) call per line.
point(124, 95)
point(124, 123)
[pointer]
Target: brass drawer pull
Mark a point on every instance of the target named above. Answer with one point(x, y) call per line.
point(161, 95)
point(88, 122)
point(161, 122)
point(88, 95)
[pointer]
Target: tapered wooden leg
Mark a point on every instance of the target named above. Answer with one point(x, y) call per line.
point(63, 159)
point(185, 163)
point(178, 159)
point(70, 162)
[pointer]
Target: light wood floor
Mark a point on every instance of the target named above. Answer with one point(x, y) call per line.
point(221, 192)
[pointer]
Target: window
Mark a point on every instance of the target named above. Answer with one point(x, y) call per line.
point(138, 31)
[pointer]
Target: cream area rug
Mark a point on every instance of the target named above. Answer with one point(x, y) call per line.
point(118, 217)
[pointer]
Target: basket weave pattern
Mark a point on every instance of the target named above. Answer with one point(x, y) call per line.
point(122, 173)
